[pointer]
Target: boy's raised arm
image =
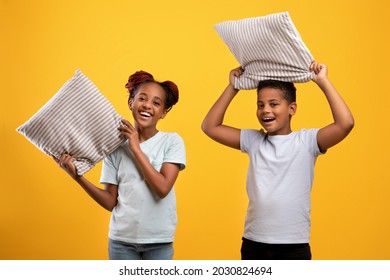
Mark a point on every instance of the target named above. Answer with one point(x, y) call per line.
point(335, 132)
point(213, 123)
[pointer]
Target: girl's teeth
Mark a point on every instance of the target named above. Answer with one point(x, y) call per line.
point(145, 114)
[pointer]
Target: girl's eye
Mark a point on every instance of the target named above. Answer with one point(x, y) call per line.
point(260, 106)
point(274, 104)
point(157, 103)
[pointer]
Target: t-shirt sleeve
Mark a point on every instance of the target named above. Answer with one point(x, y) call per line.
point(247, 137)
point(176, 152)
point(109, 172)
point(310, 137)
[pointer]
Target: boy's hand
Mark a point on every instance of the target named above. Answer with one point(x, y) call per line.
point(320, 70)
point(235, 73)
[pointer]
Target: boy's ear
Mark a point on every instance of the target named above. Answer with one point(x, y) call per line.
point(293, 108)
point(164, 114)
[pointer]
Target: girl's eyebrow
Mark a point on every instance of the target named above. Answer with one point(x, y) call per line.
point(156, 97)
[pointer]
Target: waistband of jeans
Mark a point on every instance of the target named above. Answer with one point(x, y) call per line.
point(289, 245)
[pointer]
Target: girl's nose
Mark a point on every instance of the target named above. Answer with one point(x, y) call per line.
point(146, 104)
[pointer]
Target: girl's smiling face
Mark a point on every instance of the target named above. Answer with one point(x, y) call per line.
point(274, 112)
point(148, 105)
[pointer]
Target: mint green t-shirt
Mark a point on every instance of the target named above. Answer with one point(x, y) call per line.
point(140, 216)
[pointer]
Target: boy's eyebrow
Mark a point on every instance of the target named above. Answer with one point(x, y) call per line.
point(270, 100)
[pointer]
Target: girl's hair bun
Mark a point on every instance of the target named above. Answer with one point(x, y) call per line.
point(141, 77)
point(172, 93)
point(137, 79)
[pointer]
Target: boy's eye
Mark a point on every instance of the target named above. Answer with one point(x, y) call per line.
point(260, 105)
point(157, 103)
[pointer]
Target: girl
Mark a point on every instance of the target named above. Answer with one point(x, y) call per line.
point(139, 176)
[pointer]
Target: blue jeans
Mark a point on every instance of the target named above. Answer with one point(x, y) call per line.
point(118, 250)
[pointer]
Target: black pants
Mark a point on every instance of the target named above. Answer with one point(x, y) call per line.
point(251, 250)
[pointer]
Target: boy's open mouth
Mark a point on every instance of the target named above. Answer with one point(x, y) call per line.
point(268, 119)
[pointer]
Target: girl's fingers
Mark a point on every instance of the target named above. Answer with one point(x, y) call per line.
point(64, 160)
point(127, 127)
point(127, 123)
point(55, 159)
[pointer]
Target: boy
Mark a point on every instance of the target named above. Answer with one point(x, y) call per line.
point(281, 168)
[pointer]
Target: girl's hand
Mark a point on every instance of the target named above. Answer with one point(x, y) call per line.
point(66, 162)
point(128, 131)
point(320, 70)
point(235, 73)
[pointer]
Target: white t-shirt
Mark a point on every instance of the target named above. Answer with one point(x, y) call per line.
point(140, 216)
point(279, 182)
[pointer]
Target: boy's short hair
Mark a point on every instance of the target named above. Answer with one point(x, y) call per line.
point(288, 89)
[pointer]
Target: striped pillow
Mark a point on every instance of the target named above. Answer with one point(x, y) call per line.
point(267, 47)
point(78, 120)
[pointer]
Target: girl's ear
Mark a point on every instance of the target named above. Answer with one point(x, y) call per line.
point(130, 103)
point(293, 108)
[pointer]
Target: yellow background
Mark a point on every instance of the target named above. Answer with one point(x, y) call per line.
point(44, 215)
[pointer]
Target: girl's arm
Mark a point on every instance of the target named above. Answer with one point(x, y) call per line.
point(107, 197)
point(335, 132)
point(161, 182)
point(213, 123)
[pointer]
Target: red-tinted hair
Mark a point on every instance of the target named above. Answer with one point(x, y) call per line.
point(141, 77)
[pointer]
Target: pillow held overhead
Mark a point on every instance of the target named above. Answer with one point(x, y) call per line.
point(267, 47)
point(77, 120)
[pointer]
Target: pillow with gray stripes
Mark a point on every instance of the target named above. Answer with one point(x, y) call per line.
point(267, 47)
point(77, 120)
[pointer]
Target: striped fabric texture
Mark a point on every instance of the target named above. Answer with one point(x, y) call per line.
point(267, 47)
point(77, 120)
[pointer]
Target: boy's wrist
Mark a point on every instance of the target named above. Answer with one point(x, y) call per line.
point(326, 86)
point(231, 88)
point(323, 82)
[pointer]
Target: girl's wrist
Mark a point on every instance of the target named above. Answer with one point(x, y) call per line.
point(136, 149)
